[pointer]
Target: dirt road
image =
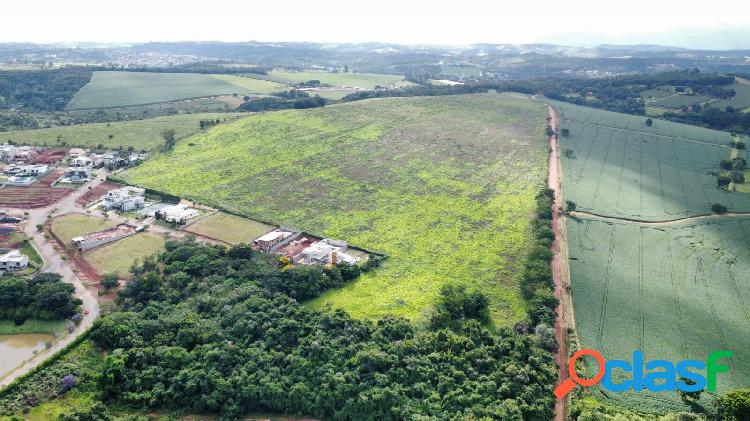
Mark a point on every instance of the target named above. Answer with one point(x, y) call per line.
point(560, 274)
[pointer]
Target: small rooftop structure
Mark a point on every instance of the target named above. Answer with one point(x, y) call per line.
point(126, 198)
point(13, 261)
point(178, 214)
point(96, 239)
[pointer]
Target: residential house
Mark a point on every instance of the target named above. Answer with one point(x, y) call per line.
point(13, 261)
point(76, 175)
point(33, 170)
point(80, 162)
point(76, 153)
point(178, 214)
point(327, 252)
point(7, 152)
point(126, 198)
point(268, 240)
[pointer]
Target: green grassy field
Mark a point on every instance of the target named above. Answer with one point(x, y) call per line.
point(620, 167)
point(230, 228)
point(445, 185)
point(359, 80)
point(119, 89)
point(140, 134)
point(119, 256)
point(678, 100)
point(673, 291)
point(66, 227)
point(741, 98)
point(51, 327)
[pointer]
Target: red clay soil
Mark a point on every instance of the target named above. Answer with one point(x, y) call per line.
point(561, 406)
point(84, 269)
point(51, 156)
point(96, 193)
point(37, 195)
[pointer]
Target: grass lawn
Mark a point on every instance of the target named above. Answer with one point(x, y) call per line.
point(140, 134)
point(120, 89)
point(119, 256)
point(51, 327)
point(66, 227)
point(359, 80)
point(230, 228)
point(444, 185)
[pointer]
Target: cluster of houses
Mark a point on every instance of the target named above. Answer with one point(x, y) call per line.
point(24, 175)
point(303, 248)
point(28, 163)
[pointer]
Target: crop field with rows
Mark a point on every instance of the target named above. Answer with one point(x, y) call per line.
point(121, 89)
point(445, 186)
point(674, 291)
point(641, 276)
point(615, 165)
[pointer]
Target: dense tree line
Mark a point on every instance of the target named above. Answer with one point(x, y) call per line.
point(280, 103)
point(201, 67)
point(713, 118)
point(41, 90)
point(44, 296)
point(212, 330)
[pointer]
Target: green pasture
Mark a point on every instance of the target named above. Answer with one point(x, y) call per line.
point(138, 134)
point(444, 185)
point(341, 79)
point(119, 89)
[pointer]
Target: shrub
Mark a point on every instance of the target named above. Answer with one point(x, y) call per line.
point(718, 208)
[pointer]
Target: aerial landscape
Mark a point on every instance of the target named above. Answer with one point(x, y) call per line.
point(421, 215)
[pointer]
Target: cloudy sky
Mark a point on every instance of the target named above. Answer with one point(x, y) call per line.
point(719, 24)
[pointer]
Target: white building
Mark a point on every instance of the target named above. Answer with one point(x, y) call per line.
point(7, 152)
point(15, 180)
point(270, 239)
point(126, 198)
point(13, 261)
point(327, 252)
point(33, 170)
point(178, 214)
point(81, 162)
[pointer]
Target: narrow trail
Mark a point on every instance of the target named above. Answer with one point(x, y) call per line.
point(560, 273)
point(722, 216)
